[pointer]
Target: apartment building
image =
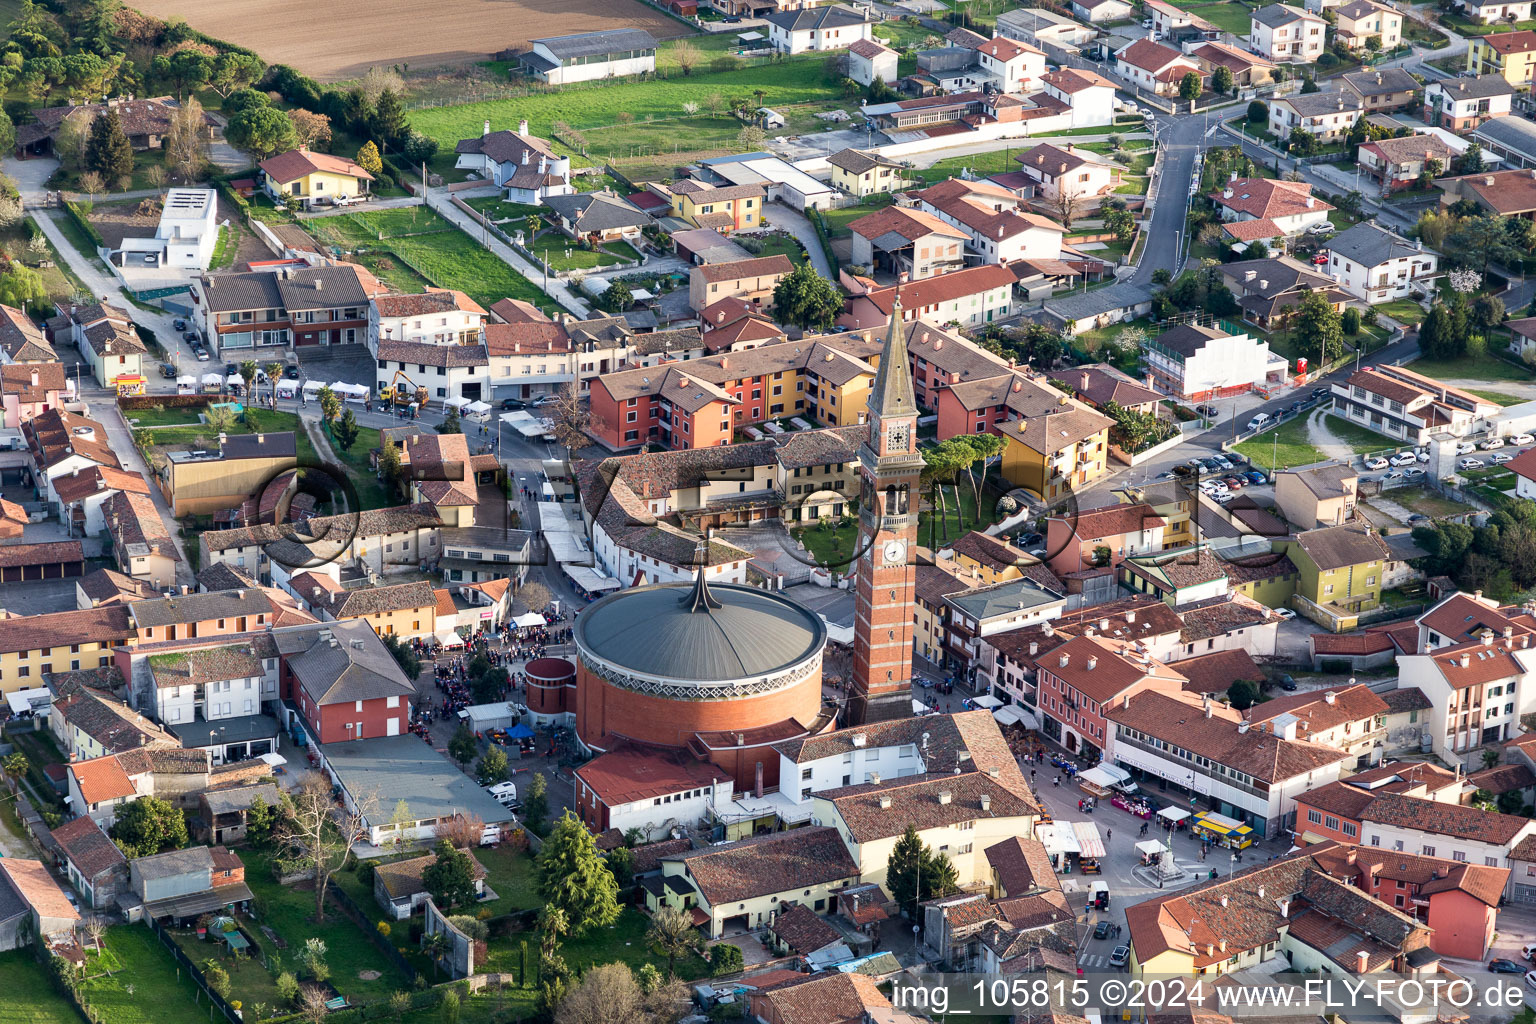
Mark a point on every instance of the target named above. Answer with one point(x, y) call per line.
point(1077, 682)
point(1287, 34)
point(1408, 406)
point(1001, 227)
point(245, 313)
point(1463, 104)
point(1510, 55)
point(1198, 363)
point(1376, 265)
point(1327, 116)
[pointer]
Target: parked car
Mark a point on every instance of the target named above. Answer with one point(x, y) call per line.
point(179, 323)
point(1324, 228)
point(1469, 464)
point(1258, 421)
point(291, 371)
point(513, 403)
point(1287, 613)
point(1208, 411)
point(1101, 930)
point(1223, 497)
point(1522, 439)
point(1530, 978)
point(544, 400)
point(1222, 461)
point(1293, 408)
point(1376, 463)
point(1120, 956)
point(1403, 459)
point(1499, 458)
point(1421, 455)
point(1029, 540)
point(1418, 519)
point(1466, 448)
point(1492, 444)
point(1396, 474)
point(1286, 682)
point(1320, 392)
point(1214, 487)
point(1505, 967)
point(168, 371)
point(1182, 471)
point(191, 337)
point(201, 353)
point(1413, 471)
point(230, 369)
point(1255, 477)
point(1235, 482)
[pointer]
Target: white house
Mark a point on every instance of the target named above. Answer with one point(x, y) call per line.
point(1327, 115)
point(1289, 34)
point(648, 790)
point(1195, 362)
point(188, 231)
point(525, 165)
point(1152, 66)
point(437, 316)
point(611, 53)
point(1408, 406)
point(1001, 229)
point(869, 59)
point(1066, 169)
point(1169, 22)
point(1090, 95)
point(1285, 207)
point(1492, 11)
point(1376, 265)
point(1044, 28)
point(1097, 12)
point(1462, 104)
point(834, 27)
point(1011, 65)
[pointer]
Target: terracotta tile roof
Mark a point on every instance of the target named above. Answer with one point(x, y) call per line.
point(514, 311)
point(1455, 820)
point(1220, 616)
point(1129, 619)
point(1021, 866)
point(762, 266)
point(630, 774)
point(1217, 671)
point(768, 865)
point(101, 779)
point(1231, 57)
point(648, 856)
point(1403, 777)
point(105, 586)
point(1114, 521)
point(830, 998)
point(44, 895)
point(91, 480)
point(427, 354)
point(1409, 698)
point(1506, 43)
point(53, 437)
point(88, 847)
point(1073, 80)
point(1150, 56)
point(1473, 663)
point(1103, 669)
point(41, 632)
point(879, 810)
point(1503, 778)
point(296, 163)
point(402, 878)
point(1339, 798)
point(211, 664)
point(803, 930)
point(869, 49)
point(991, 552)
point(51, 552)
point(1263, 197)
point(1319, 714)
point(973, 203)
point(950, 287)
point(379, 600)
point(1462, 617)
point(1214, 733)
point(115, 726)
point(22, 341)
point(1335, 547)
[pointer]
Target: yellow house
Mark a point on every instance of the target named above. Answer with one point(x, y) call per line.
point(989, 560)
point(724, 208)
point(314, 178)
point(33, 646)
point(403, 610)
point(837, 390)
point(866, 174)
point(1341, 569)
point(198, 481)
point(1510, 54)
point(1059, 452)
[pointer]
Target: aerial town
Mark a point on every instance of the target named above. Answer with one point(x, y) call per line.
point(786, 511)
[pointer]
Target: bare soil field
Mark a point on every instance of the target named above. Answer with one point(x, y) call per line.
point(380, 33)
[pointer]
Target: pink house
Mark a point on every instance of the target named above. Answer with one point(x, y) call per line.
point(1079, 540)
point(28, 390)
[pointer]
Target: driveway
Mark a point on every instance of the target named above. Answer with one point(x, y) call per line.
point(795, 223)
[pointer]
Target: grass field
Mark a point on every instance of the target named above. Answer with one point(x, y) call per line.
point(146, 987)
point(499, 209)
point(404, 220)
point(1404, 311)
point(1485, 369)
point(622, 941)
point(833, 546)
point(268, 421)
point(1234, 18)
point(838, 220)
point(371, 491)
point(1498, 397)
point(29, 996)
point(1285, 446)
point(562, 253)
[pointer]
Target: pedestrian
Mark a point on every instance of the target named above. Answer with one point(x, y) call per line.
point(1109, 834)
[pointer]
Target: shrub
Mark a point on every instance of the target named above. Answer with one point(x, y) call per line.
point(725, 959)
point(288, 986)
point(365, 871)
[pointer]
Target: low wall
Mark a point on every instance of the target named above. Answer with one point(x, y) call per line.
point(1151, 453)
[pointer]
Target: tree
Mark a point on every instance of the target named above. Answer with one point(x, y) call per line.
point(1302, 143)
point(260, 819)
point(1309, 85)
point(7, 133)
point(186, 141)
point(16, 765)
point(369, 160)
point(464, 831)
point(345, 430)
point(389, 461)
point(806, 299)
point(1463, 280)
point(571, 417)
point(406, 658)
point(1433, 227)
point(686, 55)
point(621, 862)
point(450, 878)
point(389, 125)
point(1242, 694)
point(1350, 321)
point(462, 746)
point(311, 956)
point(536, 802)
point(233, 70)
point(1480, 241)
point(673, 936)
point(330, 403)
point(725, 958)
point(261, 131)
point(69, 141)
point(493, 767)
point(216, 978)
point(1117, 218)
point(147, 826)
point(616, 299)
point(1066, 202)
point(310, 129)
point(450, 424)
point(1221, 81)
point(570, 876)
point(316, 836)
point(1487, 311)
point(1318, 327)
point(1189, 87)
point(611, 994)
point(186, 69)
point(451, 1005)
point(107, 151)
point(1470, 162)
point(1257, 112)
point(916, 873)
point(751, 138)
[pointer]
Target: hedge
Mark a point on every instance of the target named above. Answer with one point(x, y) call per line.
point(168, 401)
point(85, 224)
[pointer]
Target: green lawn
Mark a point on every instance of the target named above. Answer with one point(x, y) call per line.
point(29, 995)
point(1498, 397)
point(833, 546)
point(1234, 18)
point(1362, 440)
point(838, 220)
point(1487, 369)
point(1404, 311)
point(403, 220)
point(623, 250)
point(499, 209)
point(899, 35)
point(959, 515)
point(1426, 502)
point(158, 418)
point(249, 981)
point(145, 986)
point(1288, 444)
point(266, 419)
point(371, 491)
point(1466, 27)
point(223, 251)
point(1132, 185)
point(563, 253)
point(622, 941)
point(775, 245)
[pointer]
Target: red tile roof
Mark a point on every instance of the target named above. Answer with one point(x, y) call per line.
point(1263, 197)
point(630, 774)
point(296, 163)
point(1456, 820)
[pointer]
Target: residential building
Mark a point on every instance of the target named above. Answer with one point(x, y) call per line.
point(1266, 288)
point(833, 995)
point(1510, 55)
point(523, 164)
point(1198, 746)
point(724, 208)
point(1404, 824)
point(1101, 537)
point(1396, 164)
point(1491, 12)
point(965, 298)
point(345, 683)
point(1178, 25)
point(1351, 719)
point(1408, 406)
point(864, 174)
point(1524, 464)
point(752, 280)
point(102, 785)
point(1375, 265)
point(145, 121)
point(1383, 90)
point(375, 540)
point(1068, 171)
point(1463, 104)
point(89, 721)
point(27, 390)
point(1319, 495)
point(198, 481)
point(141, 542)
point(33, 646)
point(1090, 96)
point(267, 310)
point(107, 341)
point(1511, 139)
point(870, 59)
point(832, 27)
point(1100, 11)
point(1042, 28)
point(1054, 451)
point(978, 612)
point(33, 908)
point(1197, 363)
point(183, 885)
point(1001, 227)
point(1155, 67)
point(650, 790)
point(1504, 193)
point(1287, 34)
point(1335, 812)
point(313, 179)
point(21, 341)
point(399, 886)
point(930, 612)
point(1249, 70)
point(1328, 116)
point(437, 316)
point(1283, 208)
point(598, 217)
point(902, 240)
point(610, 53)
point(1341, 574)
point(95, 866)
point(405, 610)
point(186, 235)
point(1087, 675)
point(1360, 21)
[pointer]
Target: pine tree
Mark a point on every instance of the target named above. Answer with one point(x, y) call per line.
point(571, 877)
point(390, 126)
point(107, 151)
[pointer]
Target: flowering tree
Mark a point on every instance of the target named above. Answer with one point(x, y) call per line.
point(1465, 280)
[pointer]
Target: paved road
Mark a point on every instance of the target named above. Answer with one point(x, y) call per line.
point(795, 222)
point(1181, 140)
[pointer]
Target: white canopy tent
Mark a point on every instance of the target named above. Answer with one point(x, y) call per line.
point(341, 387)
point(448, 638)
point(987, 701)
point(313, 386)
point(478, 408)
point(528, 620)
point(39, 700)
point(567, 547)
point(456, 403)
point(287, 388)
point(1058, 837)
point(1008, 714)
point(1150, 848)
point(1172, 815)
point(235, 379)
point(214, 379)
point(525, 424)
point(1097, 776)
point(272, 759)
point(1088, 840)
point(186, 382)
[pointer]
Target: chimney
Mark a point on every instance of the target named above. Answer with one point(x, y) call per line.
point(522, 128)
point(1034, 648)
point(240, 594)
point(486, 128)
point(1232, 177)
point(1242, 727)
point(945, 796)
point(1064, 659)
point(1084, 386)
point(1125, 701)
point(1364, 959)
point(1130, 618)
point(1249, 275)
point(34, 378)
point(1285, 907)
point(1329, 697)
point(1486, 636)
point(1226, 193)
point(1311, 202)
point(319, 284)
point(757, 786)
point(1351, 856)
point(1223, 901)
point(986, 801)
point(1093, 663)
point(874, 778)
point(885, 801)
point(1261, 892)
point(1264, 285)
point(222, 438)
point(261, 438)
point(1466, 659)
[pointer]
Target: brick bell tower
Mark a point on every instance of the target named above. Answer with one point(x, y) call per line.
point(889, 468)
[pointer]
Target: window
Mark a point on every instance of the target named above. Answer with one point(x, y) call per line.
point(1429, 851)
point(1350, 829)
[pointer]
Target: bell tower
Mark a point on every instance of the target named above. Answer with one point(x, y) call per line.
point(889, 468)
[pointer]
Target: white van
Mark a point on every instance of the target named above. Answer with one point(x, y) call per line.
point(504, 793)
point(1258, 421)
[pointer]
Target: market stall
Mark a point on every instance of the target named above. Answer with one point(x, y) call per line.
point(1060, 842)
point(1222, 830)
point(1090, 846)
point(186, 385)
point(1173, 817)
point(287, 388)
point(986, 701)
point(456, 403)
point(1150, 851)
point(1096, 781)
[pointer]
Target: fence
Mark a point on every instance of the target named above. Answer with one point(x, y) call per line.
point(218, 1001)
point(357, 917)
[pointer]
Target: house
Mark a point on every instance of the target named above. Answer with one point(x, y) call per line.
point(735, 325)
point(21, 341)
point(1068, 172)
point(312, 178)
point(445, 371)
point(1405, 824)
point(261, 313)
point(141, 542)
point(1090, 96)
point(1491, 12)
point(182, 885)
point(779, 179)
point(523, 164)
point(1359, 22)
point(1249, 70)
point(1382, 90)
point(1319, 495)
point(1101, 11)
point(1464, 104)
point(598, 217)
point(902, 240)
point(1084, 677)
point(1351, 719)
point(212, 698)
point(1326, 115)
point(33, 645)
point(1504, 193)
point(962, 298)
point(1178, 25)
point(146, 122)
point(1510, 55)
point(107, 341)
point(1101, 537)
point(437, 316)
point(1409, 406)
point(187, 234)
point(1098, 384)
point(101, 786)
point(975, 613)
point(745, 881)
point(398, 886)
point(1043, 28)
point(1052, 452)
point(1282, 208)
point(59, 443)
point(199, 481)
point(1287, 34)
point(1152, 66)
point(225, 813)
point(33, 908)
point(346, 684)
point(1396, 164)
point(832, 27)
point(1375, 265)
point(1141, 620)
point(88, 721)
point(1008, 65)
point(95, 866)
point(1524, 464)
point(1341, 573)
point(1218, 586)
point(631, 788)
point(1198, 363)
point(1335, 812)
point(107, 586)
point(752, 280)
point(27, 390)
point(611, 53)
point(1266, 288)
point(870, 59)
point(719, 207)
point(1001, 227)
point(828, 996)
point(864, 174)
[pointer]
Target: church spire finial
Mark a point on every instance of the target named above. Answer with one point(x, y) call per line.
point(699, 598)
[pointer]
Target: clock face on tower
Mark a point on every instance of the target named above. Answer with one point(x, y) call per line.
point(895, 552)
